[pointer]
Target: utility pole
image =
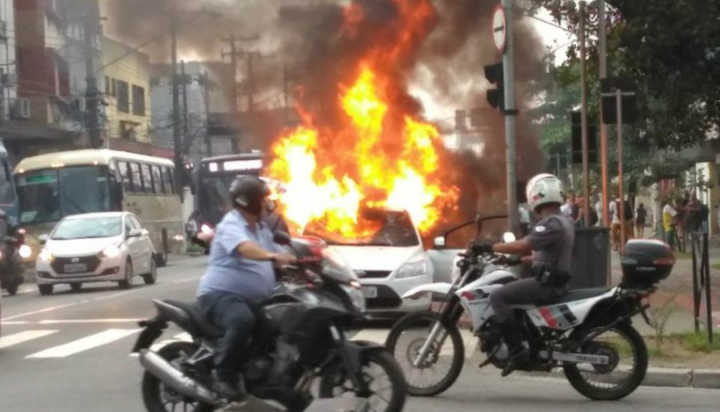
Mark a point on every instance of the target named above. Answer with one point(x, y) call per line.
point(620, 208)
point(206, 96)
point(510, 118)
point(186, 134)
point(179, 167)
point(250, 83)
point(583, 117)
point(602, 52)
point(91, 93)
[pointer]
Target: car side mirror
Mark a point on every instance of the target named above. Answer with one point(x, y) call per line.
point(439, 242)
point(134, 233)
point(281, 238)
point(509, 237)
point(42, 239)
point(144, 232)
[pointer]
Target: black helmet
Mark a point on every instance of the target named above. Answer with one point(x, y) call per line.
point(248, 193)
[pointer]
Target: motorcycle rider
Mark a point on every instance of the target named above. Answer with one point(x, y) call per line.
point(551, 243)
point(239, 276)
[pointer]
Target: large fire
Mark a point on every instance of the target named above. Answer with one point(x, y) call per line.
point(380, 155)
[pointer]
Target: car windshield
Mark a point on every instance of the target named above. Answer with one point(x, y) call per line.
point(51, 194)
point(88, 227)
point(378, 227)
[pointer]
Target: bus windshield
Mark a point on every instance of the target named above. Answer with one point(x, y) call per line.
point(49, 195)
point(214, 180)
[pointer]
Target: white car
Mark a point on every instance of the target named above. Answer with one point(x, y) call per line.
point(389, 261)
point(96, 247)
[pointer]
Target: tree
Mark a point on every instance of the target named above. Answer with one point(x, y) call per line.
point(670, 49)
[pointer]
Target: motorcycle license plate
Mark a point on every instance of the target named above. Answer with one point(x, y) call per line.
point(75, 267)
point(370, 292)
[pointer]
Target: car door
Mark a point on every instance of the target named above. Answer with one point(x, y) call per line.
point(144, 244)
point(131, 243)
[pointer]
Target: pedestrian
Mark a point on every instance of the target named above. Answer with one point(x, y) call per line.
point(599, 210)
point(629, 230)
point(640, 220)
point(615, 223)
point(568, 205)
point(668, 217)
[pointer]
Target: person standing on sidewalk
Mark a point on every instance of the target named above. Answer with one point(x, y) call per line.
point(668, 218)
point(615, 223)
point(640, 220)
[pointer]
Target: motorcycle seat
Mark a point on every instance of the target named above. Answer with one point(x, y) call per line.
point(197, 324)
point(578, 294)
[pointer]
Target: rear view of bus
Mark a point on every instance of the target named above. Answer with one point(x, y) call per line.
point(212, 180)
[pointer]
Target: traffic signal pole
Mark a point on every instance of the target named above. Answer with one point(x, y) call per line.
point(510, 119)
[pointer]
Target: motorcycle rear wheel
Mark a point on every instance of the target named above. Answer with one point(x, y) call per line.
point(421, 323)
point(607, 387)
point(336, 384)
point(159, 398)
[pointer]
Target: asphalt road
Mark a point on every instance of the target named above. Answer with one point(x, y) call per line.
point(69, 352)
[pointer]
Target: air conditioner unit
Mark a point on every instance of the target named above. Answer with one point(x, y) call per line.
point(22, 109)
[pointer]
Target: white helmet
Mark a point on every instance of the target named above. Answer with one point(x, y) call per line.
point(543, 189)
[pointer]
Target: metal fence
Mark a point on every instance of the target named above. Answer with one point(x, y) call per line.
point(701, 280)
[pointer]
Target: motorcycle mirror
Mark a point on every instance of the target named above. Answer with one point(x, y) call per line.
point(509, 237)
point(439, 242)
point(281, 238)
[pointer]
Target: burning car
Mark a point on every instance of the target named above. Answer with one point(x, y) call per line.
point(388, 257)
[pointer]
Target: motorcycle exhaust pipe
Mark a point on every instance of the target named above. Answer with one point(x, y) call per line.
point(163, 370)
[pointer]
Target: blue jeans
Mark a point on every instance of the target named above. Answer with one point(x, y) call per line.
point(234, 314)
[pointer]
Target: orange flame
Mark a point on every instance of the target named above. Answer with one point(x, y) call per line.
point(381, 156)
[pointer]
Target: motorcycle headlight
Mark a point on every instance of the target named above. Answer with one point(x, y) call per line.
point(25, 251)
point(412, 269)
point(46, 256)
point(356, 295)
point(111, 252)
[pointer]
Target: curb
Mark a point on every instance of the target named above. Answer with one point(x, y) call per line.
point(663, 377)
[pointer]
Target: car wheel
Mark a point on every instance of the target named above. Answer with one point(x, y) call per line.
point(161, 259)
point(76, 287)
point(45, 290)
point(151, 277)
point(129, 273)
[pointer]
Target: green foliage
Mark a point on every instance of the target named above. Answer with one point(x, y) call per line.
point(698, 342)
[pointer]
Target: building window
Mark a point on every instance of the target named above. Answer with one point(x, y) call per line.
point(138, 100)
point(113, 87)
point(107, 86)
point(123, 97)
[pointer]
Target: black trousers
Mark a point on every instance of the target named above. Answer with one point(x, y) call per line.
point(521, 292)
point(234, 314)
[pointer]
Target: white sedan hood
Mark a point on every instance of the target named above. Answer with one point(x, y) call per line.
point(377, 257)
point(80, 247)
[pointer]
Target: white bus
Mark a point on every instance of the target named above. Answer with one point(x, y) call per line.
point(55, 185)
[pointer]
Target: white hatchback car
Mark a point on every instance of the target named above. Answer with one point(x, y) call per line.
point(96, 247)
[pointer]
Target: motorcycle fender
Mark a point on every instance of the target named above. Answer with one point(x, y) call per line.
point(441, 288)
point(153, 329)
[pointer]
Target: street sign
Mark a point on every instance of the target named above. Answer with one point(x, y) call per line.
point(499, 28)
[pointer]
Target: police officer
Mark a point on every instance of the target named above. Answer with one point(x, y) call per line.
point(550, 245)
point(239, 276)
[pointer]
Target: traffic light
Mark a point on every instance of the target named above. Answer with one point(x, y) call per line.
point(495, 96)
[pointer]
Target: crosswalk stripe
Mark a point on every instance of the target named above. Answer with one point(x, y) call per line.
point(20, 337)
point(83, 344)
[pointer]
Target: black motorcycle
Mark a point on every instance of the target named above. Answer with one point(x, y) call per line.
point(12, 246)
point(300, 339)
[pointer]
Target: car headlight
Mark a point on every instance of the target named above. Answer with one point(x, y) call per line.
point(356, 295)
point(25, 251)
point(111, 252)
point(46, 256)
point(411, 269)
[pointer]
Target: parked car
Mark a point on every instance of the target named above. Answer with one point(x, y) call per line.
point(389, 261)
point(96, 247)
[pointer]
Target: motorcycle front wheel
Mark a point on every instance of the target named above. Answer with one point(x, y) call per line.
point(158, 397)
point(383, 378)
point(444, 356)
point(628, 363)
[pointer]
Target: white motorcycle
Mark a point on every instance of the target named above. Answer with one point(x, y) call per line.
point(587, 332)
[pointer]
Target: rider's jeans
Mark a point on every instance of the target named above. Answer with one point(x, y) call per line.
point(233, 314)
point(520, 292)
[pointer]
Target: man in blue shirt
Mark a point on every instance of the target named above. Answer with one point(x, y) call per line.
point(239, 276)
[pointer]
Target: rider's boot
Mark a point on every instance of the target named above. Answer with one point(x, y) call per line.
point(519, 355)
point(229, 387)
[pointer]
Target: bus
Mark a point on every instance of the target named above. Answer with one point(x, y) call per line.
point(211, 181)
point(8, 195)
point(55, 185)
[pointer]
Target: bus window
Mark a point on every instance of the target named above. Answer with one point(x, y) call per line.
point(168, 180)
point(157, 180)
point(136, 180)
point(7, 194)
point(147, 178)
point(126, 176)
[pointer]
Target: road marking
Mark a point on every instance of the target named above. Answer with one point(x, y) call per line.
point(67, 305)
point(109, 320)
point(21, 337)
point(83, 344)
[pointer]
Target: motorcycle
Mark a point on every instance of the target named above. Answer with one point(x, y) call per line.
point(13, 251)
point(300, 339)
point(586, 332)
